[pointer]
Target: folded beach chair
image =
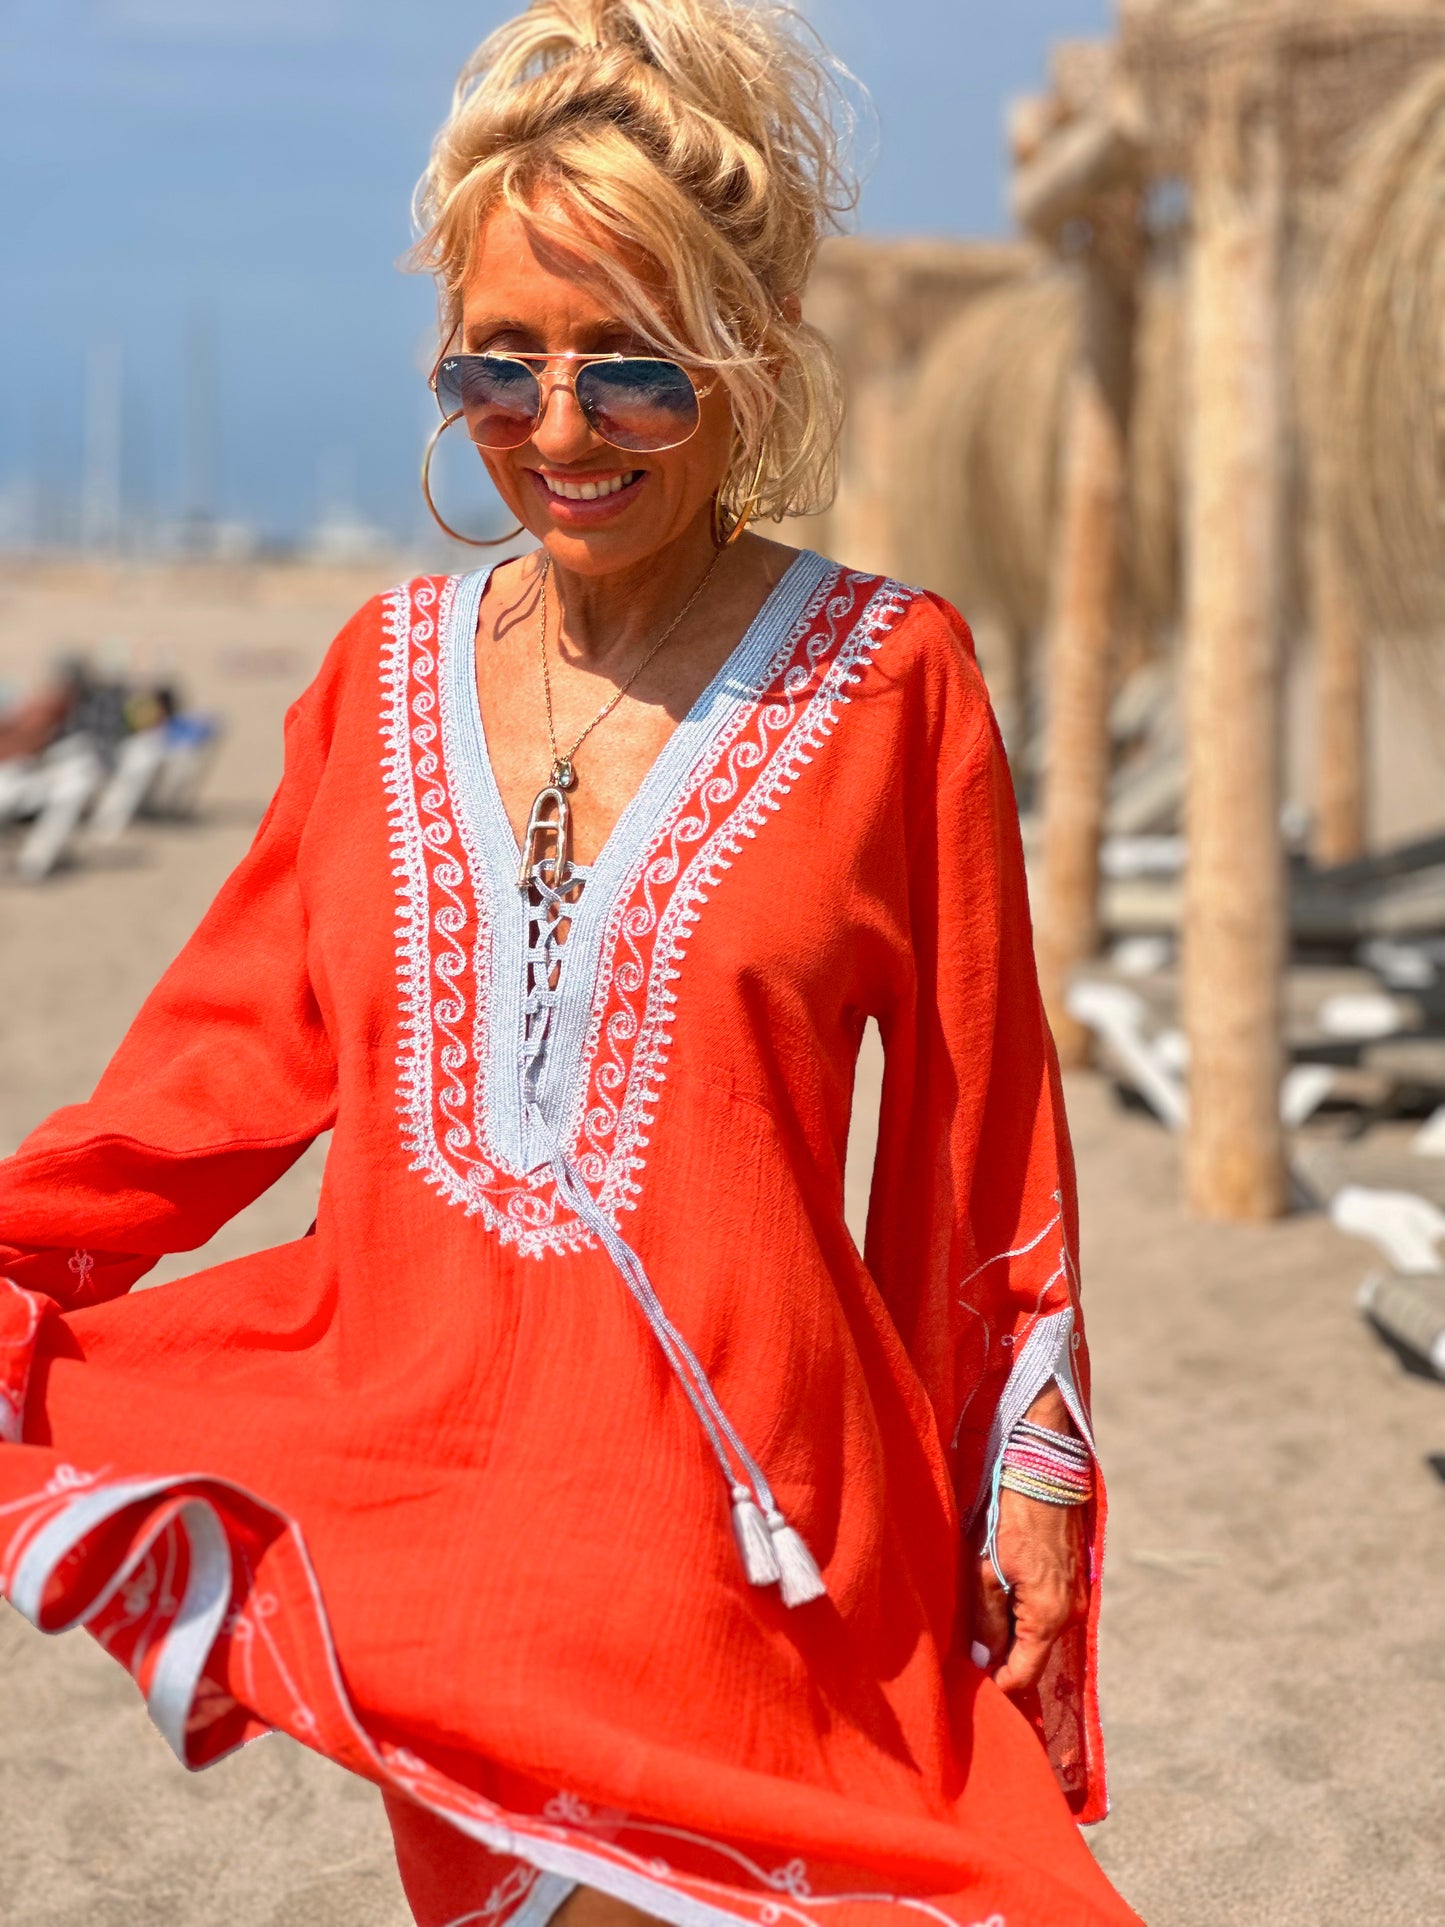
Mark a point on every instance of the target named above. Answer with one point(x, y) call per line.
point(137, 763)
point(62, 789)
point(1151, 1060)
point(1407, 1302)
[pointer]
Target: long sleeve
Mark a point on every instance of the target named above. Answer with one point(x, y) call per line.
point(222, 1080)
point(972, 1230)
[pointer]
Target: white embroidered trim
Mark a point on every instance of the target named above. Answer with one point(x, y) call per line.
point(554, 1848)
point(732, 696)
point(427, 852)
point(772, 736)
point(203, 1605)
point(718, 843)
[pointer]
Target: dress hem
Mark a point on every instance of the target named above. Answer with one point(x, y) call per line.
point(184, 1567)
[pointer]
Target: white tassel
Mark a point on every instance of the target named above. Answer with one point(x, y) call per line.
point(754, 1540)
point(798, 1574)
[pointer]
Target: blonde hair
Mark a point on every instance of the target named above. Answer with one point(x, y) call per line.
point(704, 133)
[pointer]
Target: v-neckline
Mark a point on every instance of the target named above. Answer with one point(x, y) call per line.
point(700, 706)
point(494, 855)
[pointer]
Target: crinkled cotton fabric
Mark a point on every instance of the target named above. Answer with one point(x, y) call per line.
point(422, 1487)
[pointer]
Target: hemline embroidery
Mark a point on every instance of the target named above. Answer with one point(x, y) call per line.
point(172, 1639)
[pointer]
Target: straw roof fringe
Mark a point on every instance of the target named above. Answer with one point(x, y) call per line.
point(1376, 409)
point(1335, 64)
point(984, 442)
point(984, 430)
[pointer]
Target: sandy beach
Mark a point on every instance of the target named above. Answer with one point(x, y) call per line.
point(1274, 1666)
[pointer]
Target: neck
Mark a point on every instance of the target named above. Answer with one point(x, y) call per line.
point(607, 617)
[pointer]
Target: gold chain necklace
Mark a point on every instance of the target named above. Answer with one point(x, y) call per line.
point(550, 820)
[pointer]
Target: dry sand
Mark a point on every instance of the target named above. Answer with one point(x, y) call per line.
point(1274, 1668)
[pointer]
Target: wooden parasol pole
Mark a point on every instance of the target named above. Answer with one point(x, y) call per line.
point(1083, 621)
point(1077, 188)
point(1234, 916)
point(1341, 775)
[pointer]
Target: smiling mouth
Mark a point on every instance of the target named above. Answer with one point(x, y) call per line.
point(588, 489)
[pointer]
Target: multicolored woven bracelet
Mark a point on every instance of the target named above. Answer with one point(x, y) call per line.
point(1052, 1466)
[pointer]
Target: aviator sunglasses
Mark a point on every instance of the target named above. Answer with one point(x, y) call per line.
point(635, 402)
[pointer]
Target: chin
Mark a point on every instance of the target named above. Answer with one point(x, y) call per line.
point(601, 551)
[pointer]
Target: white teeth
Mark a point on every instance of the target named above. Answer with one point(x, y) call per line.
point(589, 491)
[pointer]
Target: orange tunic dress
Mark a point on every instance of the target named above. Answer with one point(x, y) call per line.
point(453, 1488)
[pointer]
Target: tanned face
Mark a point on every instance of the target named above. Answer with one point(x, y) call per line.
point(528, 296)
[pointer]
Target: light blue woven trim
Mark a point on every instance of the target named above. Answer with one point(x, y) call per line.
point(1046, 1355)
point(549, 1890)
point(493, 856)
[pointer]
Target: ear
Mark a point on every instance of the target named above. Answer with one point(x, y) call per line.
point(790, 307)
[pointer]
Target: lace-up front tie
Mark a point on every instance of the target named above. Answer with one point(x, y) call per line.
point(773, 1552)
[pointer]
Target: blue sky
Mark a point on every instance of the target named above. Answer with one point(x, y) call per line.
point(240, 171)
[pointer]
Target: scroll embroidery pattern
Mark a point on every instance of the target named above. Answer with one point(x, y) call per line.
point(267, 1661)
point(445, 936)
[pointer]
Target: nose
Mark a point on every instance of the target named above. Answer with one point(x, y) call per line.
point(563, 434)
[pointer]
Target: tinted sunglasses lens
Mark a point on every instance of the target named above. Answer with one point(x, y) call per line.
point(500, 398)
point(639, 404)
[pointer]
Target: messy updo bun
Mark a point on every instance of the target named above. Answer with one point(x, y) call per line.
point(705, 134)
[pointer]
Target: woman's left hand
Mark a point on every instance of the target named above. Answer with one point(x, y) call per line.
point(1043, 1552)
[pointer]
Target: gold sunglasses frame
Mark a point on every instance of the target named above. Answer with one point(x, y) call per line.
point(546, 389)
point(723, 539)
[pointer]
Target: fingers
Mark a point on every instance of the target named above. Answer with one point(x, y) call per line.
point(992, 1629)
point(1014, 1634)
point(1041, 1614)
point(1027, 1658)
point(1042, 1551)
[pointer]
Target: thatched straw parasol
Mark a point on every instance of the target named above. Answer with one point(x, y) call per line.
point(983, 431)
point(1339, 64)
point(1375, 410)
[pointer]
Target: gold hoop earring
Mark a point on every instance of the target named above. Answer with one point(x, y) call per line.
point(725, 540)
point(472, 541)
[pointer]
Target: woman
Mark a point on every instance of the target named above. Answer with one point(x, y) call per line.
point(575, 1479)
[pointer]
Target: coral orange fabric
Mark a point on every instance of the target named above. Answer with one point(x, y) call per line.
point(421, 1488)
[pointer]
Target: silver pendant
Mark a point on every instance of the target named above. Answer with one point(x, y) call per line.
point(547, 842)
